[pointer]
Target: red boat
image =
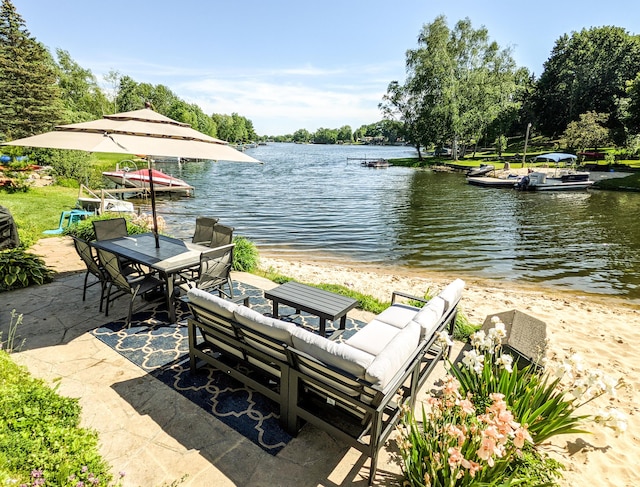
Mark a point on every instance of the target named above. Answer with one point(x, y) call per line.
point(140, 179)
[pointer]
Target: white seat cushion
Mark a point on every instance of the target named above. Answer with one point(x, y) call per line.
point(387, 364)
point(339, 355)
point(212, 302)
point(373, 337)
point(452, 293)
point(430, 316)
point(276, 329)
point(398, 315)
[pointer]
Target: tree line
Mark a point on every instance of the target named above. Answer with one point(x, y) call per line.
point(39, 91)
point(463, 90)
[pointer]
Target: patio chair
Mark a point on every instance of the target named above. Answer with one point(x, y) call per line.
point(133, 286)
point(107, 229)
point(203, 233)
point(115, 228)
point(214, 272)
point(222, 235)
point(90, 259)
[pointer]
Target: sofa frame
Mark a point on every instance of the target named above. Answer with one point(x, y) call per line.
point(308, 390)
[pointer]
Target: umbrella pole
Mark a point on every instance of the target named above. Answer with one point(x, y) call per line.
point(153, 209)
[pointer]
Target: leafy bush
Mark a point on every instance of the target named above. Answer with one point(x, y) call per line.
point(40, 440)
point(84, 229)
point(20, 269)
point(245, 255)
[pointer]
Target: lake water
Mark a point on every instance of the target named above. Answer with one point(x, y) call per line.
point(311, 200)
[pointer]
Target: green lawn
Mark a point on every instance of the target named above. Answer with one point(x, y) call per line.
point(38, 209)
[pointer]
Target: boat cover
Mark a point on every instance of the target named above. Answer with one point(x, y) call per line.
point(557, 157)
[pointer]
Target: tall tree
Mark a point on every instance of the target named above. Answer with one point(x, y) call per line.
point(29, 96)
point(588, 132)
point(458, 82)
point(586, 71)
point(82, 97)
point(345, 134)
point(631, 107)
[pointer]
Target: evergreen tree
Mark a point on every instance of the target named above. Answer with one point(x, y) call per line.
point(29, 96)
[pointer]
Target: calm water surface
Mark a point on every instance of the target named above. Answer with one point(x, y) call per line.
point(310, 199)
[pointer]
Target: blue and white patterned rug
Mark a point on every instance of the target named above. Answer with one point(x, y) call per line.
point(161, 349)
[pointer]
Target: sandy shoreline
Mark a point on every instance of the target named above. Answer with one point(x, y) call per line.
point(604, 331)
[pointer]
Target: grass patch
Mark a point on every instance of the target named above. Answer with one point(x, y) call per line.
point(462, 330)
point(40, 436)
point(630, 183)
point(38, 209)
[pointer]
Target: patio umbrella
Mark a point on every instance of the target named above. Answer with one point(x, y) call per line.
point(139, 132)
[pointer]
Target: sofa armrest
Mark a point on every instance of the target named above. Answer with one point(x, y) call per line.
point(394, 294)
point(242, 299)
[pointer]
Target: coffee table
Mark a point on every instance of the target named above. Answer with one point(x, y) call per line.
point(323, 304)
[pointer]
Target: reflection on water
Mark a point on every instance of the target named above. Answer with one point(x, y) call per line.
point(311, 199)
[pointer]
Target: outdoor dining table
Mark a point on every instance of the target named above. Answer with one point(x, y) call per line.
point(171, 257)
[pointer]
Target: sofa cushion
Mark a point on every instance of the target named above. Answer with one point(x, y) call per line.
point(212, 302)
point(452, 293)
point(430, 316)
point(388, 362)
point(277, 329)
point(373, 337)
point(339, 355)
point(398, 315)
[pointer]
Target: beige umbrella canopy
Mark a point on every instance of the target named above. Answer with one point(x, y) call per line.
point(140, 132)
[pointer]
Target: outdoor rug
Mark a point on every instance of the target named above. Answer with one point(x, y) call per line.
point(162, 350)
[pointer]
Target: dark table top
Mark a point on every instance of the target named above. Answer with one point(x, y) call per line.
point(173, 254)
point(313, 300)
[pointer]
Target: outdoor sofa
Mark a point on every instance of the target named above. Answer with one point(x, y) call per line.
point(353, 389)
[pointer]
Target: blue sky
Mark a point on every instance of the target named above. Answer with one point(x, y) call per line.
point(287, 64)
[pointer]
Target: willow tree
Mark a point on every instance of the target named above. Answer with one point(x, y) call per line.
point(29, 95)
point(458, 82)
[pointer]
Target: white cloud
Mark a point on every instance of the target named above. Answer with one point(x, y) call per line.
point(277, 101)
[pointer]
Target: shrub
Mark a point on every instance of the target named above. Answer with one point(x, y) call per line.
point(459, 445)
point(40, 440)
point(245, 255)
point(20, 269)
point(84, 229)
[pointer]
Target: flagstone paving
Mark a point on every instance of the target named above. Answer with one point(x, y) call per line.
point(147, 430)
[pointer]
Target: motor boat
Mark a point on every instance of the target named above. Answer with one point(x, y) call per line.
point(563, 181)
point(507, 181)
point(377, 163)
point(89, 200)
point(140, 179)
point(480, 171)
point(98, 205)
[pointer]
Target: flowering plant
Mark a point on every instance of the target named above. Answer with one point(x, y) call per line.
point(482, 427)
point(546, 400)
point(457, 445)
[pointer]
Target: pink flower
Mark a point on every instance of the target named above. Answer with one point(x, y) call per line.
point(455, 457)
point(467, 406)
point(520, 436)
point(471, 466)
